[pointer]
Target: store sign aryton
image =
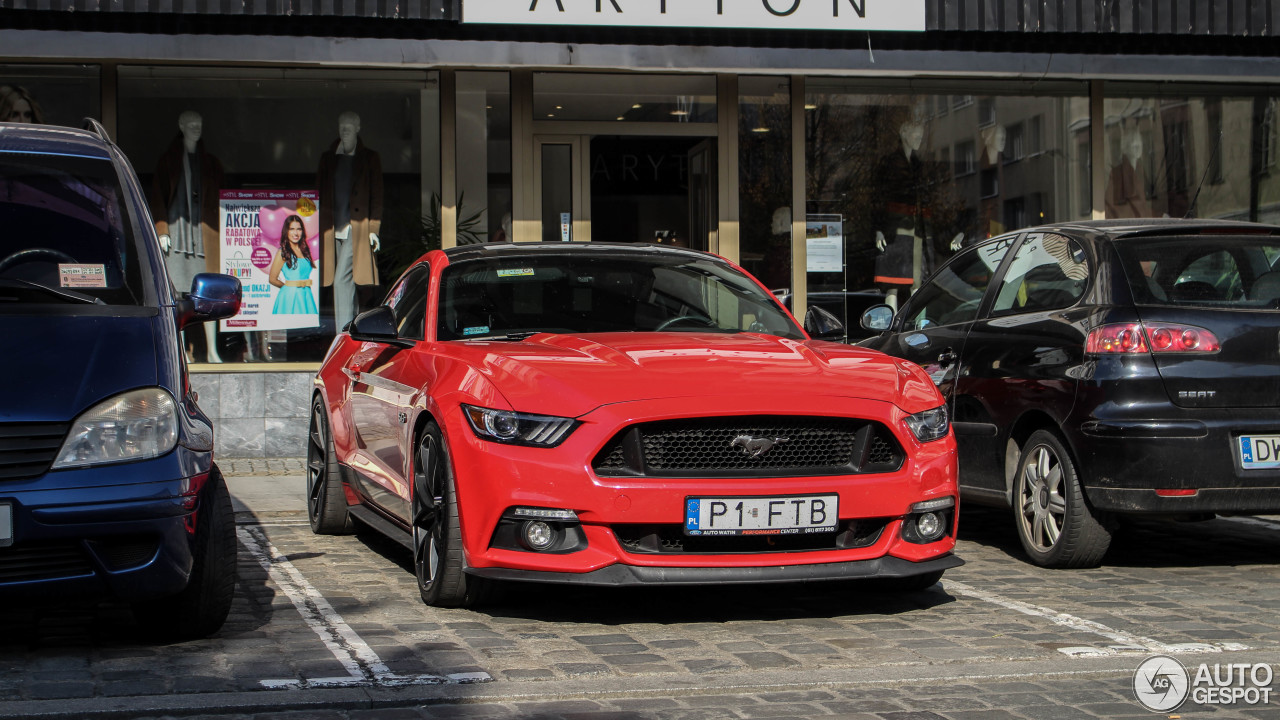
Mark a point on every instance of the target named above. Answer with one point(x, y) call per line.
point(906, 15)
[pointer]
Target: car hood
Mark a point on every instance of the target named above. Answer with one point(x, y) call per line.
point(570, 375)
point(57, 367)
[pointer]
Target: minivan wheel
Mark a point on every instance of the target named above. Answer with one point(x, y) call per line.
point(326, 502)
point(438, 559)
point(202, 606)
point(1056, 526)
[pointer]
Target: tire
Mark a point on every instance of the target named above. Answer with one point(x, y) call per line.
point(326, 501)
point(1057, 527)
point(438, 559)
point(202, 606)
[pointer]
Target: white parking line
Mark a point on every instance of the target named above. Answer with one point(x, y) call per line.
point(1125, 642)
point(1255, 522)
point(363, 665)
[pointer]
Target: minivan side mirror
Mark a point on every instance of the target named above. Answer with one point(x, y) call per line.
point(822, 325)
point(378, 325)
point(213, 296)
point(877, 318)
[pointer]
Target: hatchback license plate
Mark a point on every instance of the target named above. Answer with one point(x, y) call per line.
point(6, 524)
point(1260, 452)
point(761, 515)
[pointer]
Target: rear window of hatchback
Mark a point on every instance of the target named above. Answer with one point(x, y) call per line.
point(1212, 270)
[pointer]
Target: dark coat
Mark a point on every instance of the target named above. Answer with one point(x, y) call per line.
point(164, 187)
point(366, 211)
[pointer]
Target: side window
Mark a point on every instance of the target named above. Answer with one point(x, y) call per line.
point(1049, 271)
point(955, 293)
point(408, 300)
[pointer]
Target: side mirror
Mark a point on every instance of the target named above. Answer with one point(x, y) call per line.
point(213, 296)
point(377, 325)
point(822, 325)
point(877, 318)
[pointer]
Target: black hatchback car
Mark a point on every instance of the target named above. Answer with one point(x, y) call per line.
point(1103, 369)
point(107, 479)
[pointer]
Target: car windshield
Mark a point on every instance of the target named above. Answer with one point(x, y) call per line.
point(67, 238)
point(1224, 271)
point(510, 297)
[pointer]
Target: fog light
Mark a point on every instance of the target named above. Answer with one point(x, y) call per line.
point(538, 535)
point(929, 526)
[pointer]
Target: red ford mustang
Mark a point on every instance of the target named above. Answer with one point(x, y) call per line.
point(619, 415)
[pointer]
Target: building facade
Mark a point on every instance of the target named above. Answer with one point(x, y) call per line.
point(837, 149)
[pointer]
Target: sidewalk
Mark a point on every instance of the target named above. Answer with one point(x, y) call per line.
point(266, 487)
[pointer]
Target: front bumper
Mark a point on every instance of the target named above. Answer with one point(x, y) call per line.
point(632, 575)
point(1125, 459)
point(491, 479)
point(124, 530)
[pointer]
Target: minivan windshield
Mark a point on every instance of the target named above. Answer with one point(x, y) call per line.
point(67, 238)
point(1220, 271)
point(512, 297)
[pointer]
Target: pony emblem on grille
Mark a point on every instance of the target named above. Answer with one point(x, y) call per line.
point(756, 446)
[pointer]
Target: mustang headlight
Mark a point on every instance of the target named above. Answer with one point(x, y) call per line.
point(930, 424)
point(135, 425)
point(513, 428)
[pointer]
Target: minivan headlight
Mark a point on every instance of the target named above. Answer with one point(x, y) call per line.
point(136, 425)
point(929, 425)
point(514, 428)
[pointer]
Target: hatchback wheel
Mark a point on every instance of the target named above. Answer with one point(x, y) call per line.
point(437, 536)
point(326, 501)
point(1055, 524)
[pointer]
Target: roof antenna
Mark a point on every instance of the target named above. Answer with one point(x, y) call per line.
point(1195, 198)
point(869, 50)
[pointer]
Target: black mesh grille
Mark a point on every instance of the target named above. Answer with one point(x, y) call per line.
point(671, 540)
point(125, 552)
point(28, 449)
point(755, 446)
point(43, 561)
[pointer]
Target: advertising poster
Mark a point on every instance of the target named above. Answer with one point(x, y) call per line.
point(271, 241)
point(824, 236)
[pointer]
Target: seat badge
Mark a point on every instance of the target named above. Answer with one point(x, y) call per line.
point(757, 446)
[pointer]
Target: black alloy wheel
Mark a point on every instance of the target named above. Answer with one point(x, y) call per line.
point(437, 537)
point(326, 501)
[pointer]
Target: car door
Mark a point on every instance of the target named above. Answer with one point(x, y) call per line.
point(384, 389)
point(931, 327)
point(1020, 354)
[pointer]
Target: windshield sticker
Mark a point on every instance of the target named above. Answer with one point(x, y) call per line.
point(82, 275)
point(478, 330)
point(515, 272)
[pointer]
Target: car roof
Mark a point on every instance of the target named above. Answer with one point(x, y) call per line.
point(526, 249)
point(1147, 227)
point(29, 139)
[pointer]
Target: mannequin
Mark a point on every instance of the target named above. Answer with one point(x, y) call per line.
point(1126, 187)
point(994, 138)
point(184, 203)
point(900, 240)
point(349, 182)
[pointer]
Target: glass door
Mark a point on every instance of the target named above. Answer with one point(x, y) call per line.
point(559, 193)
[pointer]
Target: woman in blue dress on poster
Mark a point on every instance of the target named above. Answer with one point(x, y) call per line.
point(291, 271)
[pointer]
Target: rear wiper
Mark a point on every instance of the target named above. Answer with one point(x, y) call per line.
point(71, 295)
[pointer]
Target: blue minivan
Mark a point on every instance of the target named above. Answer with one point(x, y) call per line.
point(107, 480)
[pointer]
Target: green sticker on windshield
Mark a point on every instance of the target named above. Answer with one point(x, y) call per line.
point(478, 330)
point(515, 272)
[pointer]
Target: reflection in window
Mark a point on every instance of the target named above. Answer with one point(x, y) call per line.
point(764, 179)
point(624, 98)
point(484, 140)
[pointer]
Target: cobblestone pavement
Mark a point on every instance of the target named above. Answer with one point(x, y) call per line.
point(332, 627)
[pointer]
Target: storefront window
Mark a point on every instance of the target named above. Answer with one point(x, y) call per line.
point(627, 98)
point(764, 180)
point(484, 157)
point(911, 178)
point(1178, 155)
point(50, 94)
point(308, 185)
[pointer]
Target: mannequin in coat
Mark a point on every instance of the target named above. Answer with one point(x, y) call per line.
point(184, 204)
point(349, 182)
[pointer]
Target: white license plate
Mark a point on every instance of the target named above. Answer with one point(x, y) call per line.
point(1260, 452)
point(6, 524)
point(761, 515)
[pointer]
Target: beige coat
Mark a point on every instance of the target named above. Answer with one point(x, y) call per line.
point(366, 212)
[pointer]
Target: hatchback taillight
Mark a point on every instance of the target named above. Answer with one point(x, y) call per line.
point(1150, 337)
